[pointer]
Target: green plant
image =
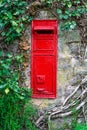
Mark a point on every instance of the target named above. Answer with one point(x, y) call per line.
point(50, 124)
point(81, 126)
point(28, 116)
point(68, 11)
point(11, 108)
point(13, 17)
point(73, 124)
point(13, 98)
point(70, 124)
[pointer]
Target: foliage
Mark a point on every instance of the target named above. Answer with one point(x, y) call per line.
point(15, 109)
point(73, 124)
point(13, 98)
point(8, 76)
point(28, 116)
point(81, 126)
point(68, 11)
point(13, 16)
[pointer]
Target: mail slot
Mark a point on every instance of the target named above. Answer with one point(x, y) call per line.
point(44, 58)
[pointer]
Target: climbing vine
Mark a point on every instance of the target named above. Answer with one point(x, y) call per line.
point(70, 14)
point(13, 18)
point(68, 11)
point(14, 15)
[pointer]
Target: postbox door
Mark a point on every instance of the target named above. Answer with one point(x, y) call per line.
point(44, 76)
point(44, 58)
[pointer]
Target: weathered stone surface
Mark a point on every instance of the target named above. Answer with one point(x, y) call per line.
point(69, 67)
point(69, 64)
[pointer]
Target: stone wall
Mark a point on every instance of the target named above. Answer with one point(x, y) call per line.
point(69, 64)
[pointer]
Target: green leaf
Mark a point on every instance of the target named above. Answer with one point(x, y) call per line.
point(1, 53)
point(8, 1)
point(65, 16)
point(9, 55)
point(14, 23)
point(5, 66)
point(81, 127)
point(3, 33)
point(16, 13)
point(9, 15)
point(59, 11)
point(1, 25)
point(2, 86)
point(22, 3)
point(60, 16)
point(23, 18)
point(69, 4)
point(18, 30)
point(20, 97)
point(19, 58)
point(77, 1)
point(73, 25)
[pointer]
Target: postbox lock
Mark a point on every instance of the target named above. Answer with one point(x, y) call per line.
point(40, 78)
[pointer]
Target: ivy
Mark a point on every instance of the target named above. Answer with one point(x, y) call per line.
point(16, 110)
point(13, 18)
point(68, 11)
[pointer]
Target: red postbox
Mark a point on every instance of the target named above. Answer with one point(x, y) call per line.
point(44, 58)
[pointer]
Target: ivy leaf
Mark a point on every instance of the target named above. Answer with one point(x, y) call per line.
point(16, 13)
point(73, 25)
point(69, 4)
point(23, 18)
point(22, 3)
point(9, 15)
point(59, 11)
point(30, 18)
point(8, 1)
point(1, 53)
point(65, 16)
point(14, 23)
point(9, 56)
point(18, 30)
point(19, 58)
point(1, 25)
point(2, 86)
point(7, 90)
point(77, 2)
point(3, 33)
point(20, 96)
point(60, 16)
point(5, 66)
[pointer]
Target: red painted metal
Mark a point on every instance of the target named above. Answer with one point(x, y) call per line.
point(44, 58)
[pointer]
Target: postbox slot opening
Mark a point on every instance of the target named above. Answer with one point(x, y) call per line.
point(44, 31)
